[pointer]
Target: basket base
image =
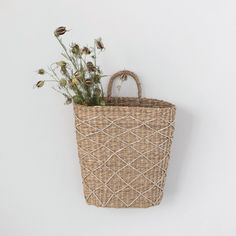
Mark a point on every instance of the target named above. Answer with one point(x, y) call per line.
point(140, 203)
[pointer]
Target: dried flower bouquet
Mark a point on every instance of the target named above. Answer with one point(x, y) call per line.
point(77, 77)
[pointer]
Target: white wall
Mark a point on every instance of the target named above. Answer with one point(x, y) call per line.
point(184, 51)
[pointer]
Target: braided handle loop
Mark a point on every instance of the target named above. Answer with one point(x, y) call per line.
point(124, 74)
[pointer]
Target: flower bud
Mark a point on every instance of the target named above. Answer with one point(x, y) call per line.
point(41, 71)
point(61, 63)
point(62, 82)
point(60, 31)
point(75, 49)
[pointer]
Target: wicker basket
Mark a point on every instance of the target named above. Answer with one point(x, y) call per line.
point(124, 148)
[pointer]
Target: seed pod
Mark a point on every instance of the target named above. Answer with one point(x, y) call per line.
point(86, 51)
point(62, 82)
point(91, 67)
point(75, 49)
point(88, 82)
point(40, 84)
point(41, 71)
point(99, 44)
point(60, 31)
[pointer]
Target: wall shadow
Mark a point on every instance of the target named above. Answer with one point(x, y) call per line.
point(179, 153)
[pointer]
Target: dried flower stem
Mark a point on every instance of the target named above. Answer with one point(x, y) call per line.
point(67, 54)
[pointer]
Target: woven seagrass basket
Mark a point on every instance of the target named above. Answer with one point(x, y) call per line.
point(124, 148)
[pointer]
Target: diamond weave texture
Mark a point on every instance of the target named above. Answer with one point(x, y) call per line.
point(124, 153)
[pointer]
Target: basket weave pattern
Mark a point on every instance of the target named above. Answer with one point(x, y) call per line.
point(124, 150)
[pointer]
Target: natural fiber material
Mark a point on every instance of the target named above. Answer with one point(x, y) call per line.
point(124, 149)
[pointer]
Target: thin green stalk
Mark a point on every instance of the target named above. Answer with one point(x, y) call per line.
point(67, 54)
point(67, 90)
point(60, 92)
point(54, 76)
point(50, 80)
point(95, 54)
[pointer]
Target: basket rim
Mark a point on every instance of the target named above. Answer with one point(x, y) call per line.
point(167, 105)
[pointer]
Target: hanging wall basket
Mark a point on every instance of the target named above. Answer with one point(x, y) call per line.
point(124, 148)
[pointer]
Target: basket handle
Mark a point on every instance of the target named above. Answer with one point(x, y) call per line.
point(124, 74)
